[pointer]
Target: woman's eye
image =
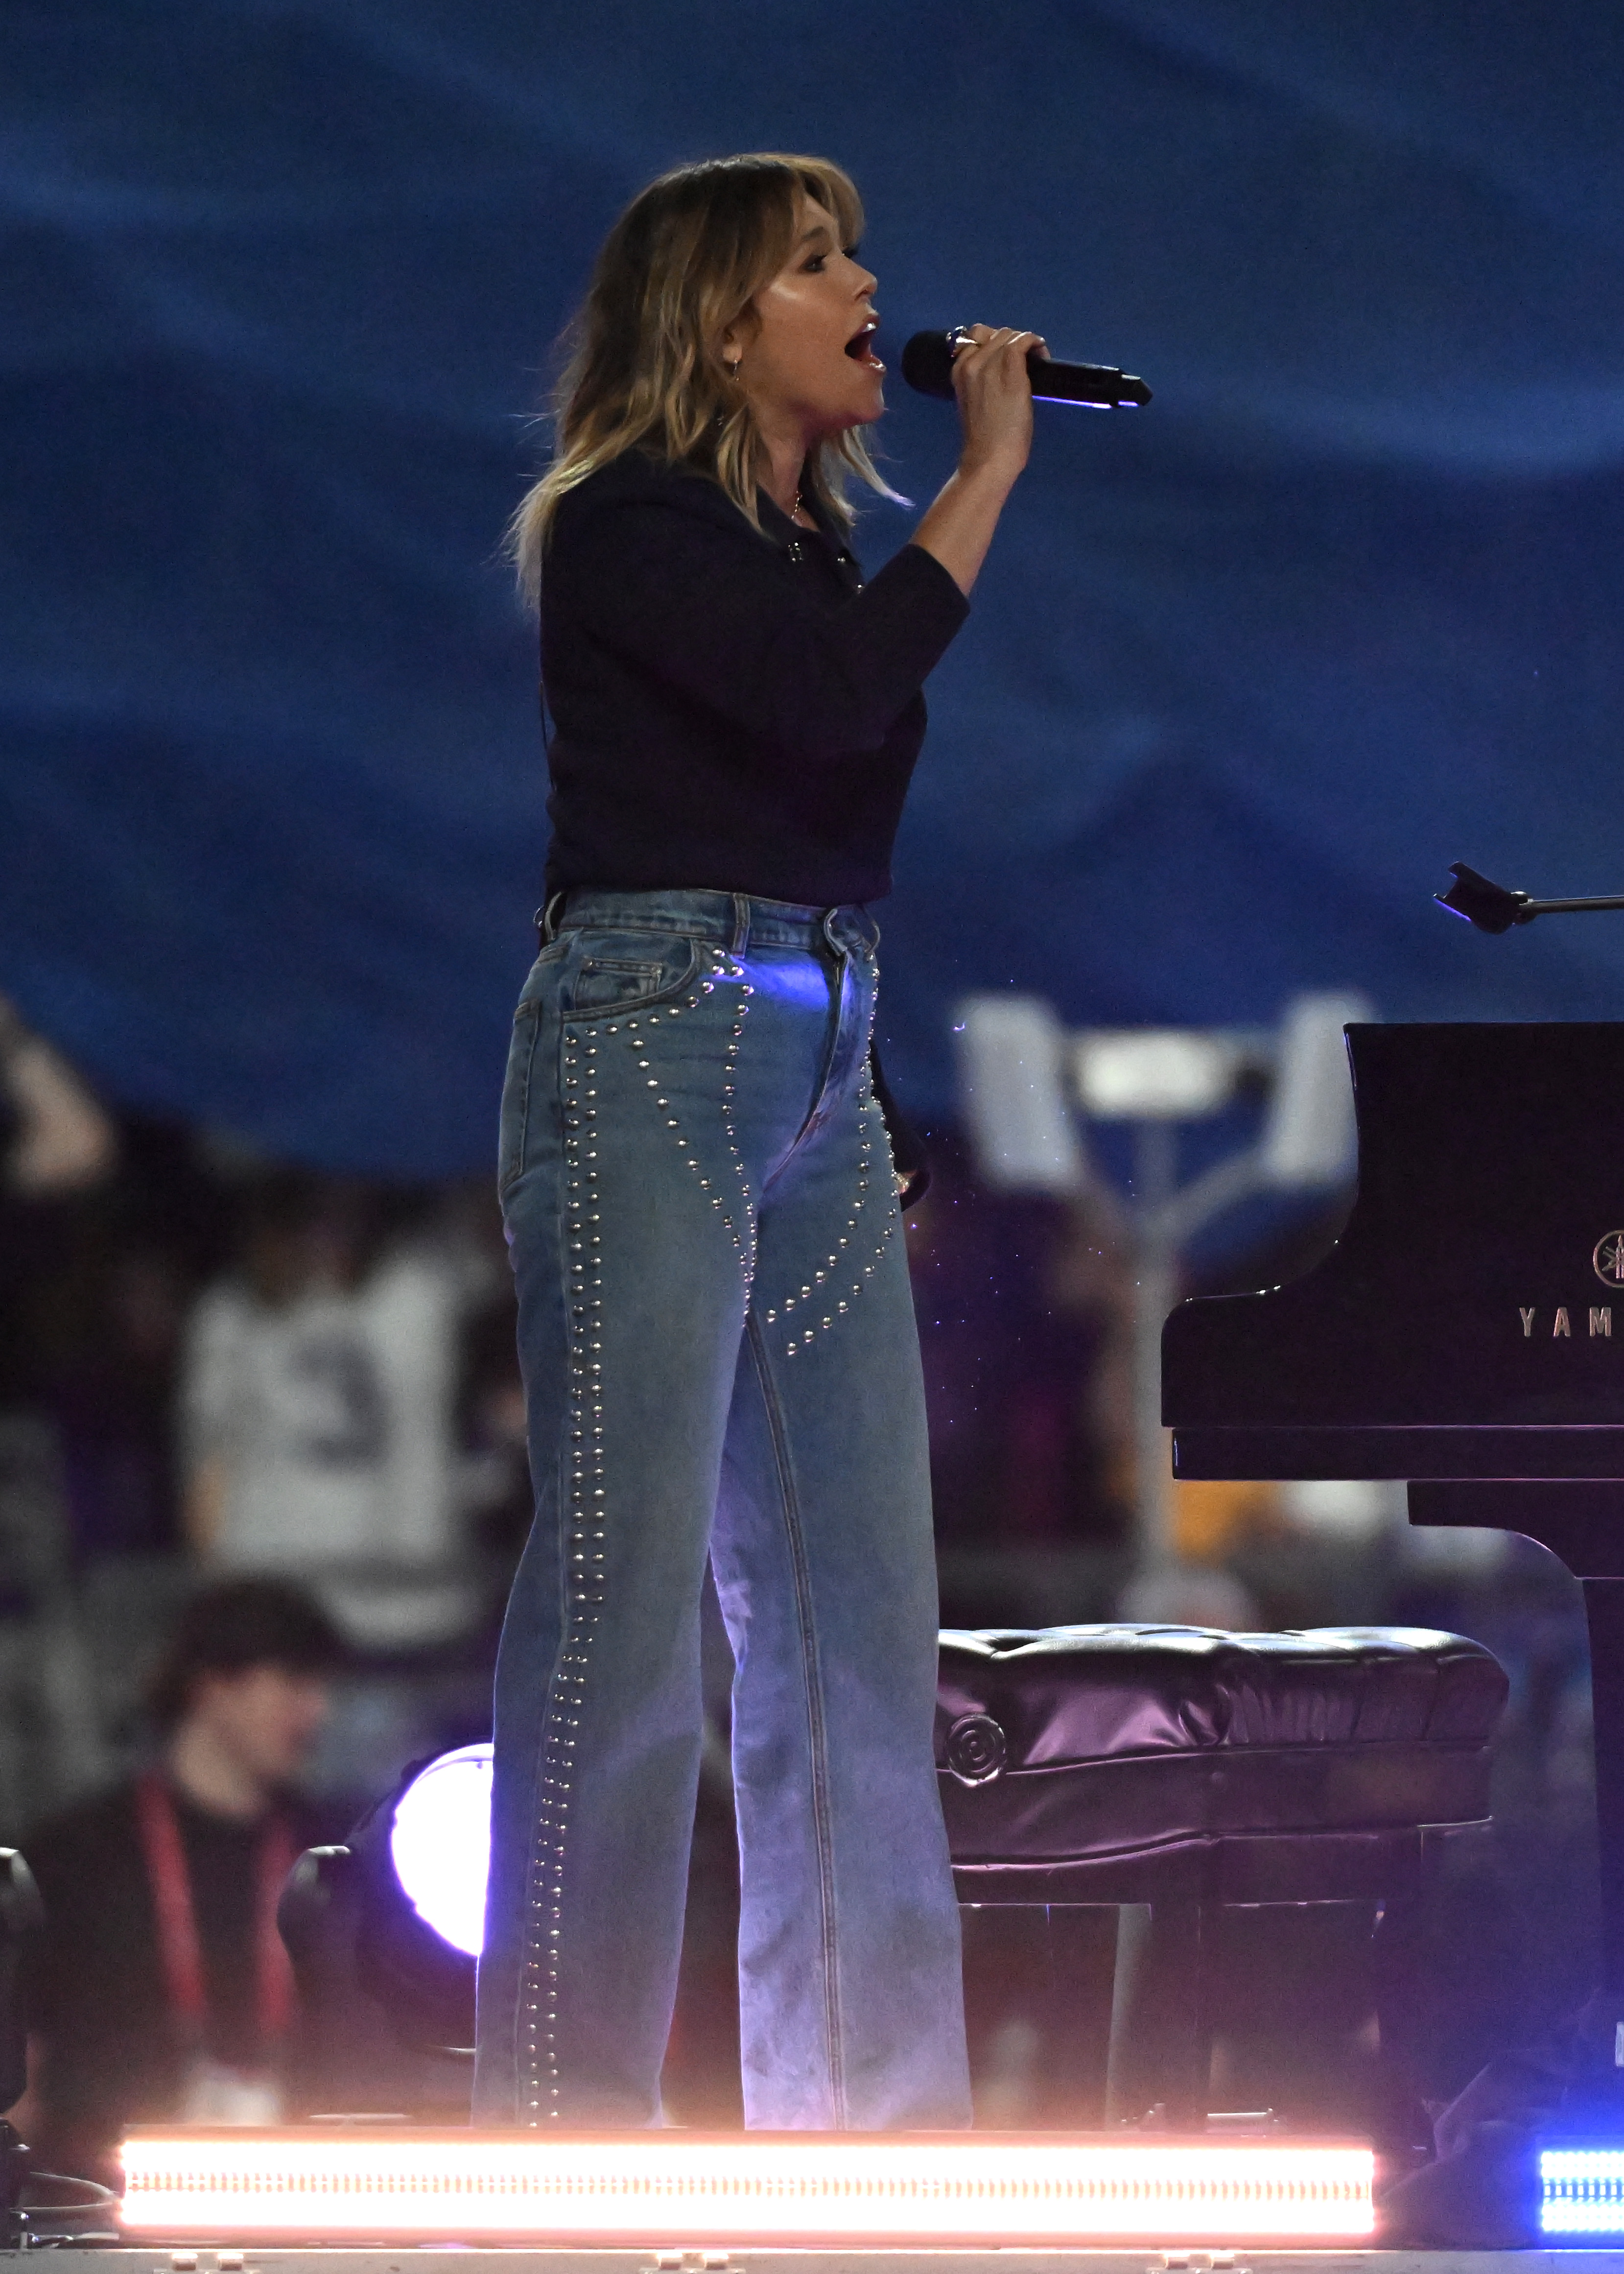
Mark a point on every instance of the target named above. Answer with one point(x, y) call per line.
point(814, 264)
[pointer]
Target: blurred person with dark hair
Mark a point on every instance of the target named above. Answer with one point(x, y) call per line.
point(318, 1413)
point(159, 1989)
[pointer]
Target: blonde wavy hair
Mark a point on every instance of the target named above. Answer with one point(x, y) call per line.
point(681, 264)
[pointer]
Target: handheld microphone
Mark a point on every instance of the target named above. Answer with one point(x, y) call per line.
point(928, 366)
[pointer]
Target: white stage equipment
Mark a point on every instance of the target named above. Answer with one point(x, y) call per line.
point(1021, 1083)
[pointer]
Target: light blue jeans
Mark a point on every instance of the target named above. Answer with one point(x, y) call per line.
point(720, 1359)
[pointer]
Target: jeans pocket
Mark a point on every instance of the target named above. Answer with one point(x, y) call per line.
point(516, 1114)
point(624, 971)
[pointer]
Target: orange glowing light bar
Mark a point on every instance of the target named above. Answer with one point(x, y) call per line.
point(788, 2187)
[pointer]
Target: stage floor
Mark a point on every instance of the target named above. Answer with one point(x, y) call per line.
point(450, 2259)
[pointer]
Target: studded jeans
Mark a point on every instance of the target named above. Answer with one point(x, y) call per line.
point(719, 1357)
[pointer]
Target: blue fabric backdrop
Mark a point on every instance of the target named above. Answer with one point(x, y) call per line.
point(279, 283)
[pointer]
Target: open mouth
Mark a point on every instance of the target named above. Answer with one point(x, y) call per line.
point(859, 347)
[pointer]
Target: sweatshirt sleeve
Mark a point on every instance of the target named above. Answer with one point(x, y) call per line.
point(713, 610)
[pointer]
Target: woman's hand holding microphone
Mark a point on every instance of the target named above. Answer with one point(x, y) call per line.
point(994, 389)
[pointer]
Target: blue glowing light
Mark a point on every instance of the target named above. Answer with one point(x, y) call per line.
point(440, 1844)
point(796, 979)
point(1582, 2190)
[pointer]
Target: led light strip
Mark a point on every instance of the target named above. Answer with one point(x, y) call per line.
point(661, 2188)
point(1582, 2190)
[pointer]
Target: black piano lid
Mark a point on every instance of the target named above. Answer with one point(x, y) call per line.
point(1467, 1322)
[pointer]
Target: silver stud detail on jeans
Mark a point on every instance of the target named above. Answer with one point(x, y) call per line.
point(744, 1244)
point(867, 1110)
point(582, 1585)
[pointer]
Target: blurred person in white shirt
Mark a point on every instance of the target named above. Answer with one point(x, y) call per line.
point(318, 1414)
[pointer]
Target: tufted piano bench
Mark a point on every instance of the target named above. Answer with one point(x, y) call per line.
point(1184, 1770)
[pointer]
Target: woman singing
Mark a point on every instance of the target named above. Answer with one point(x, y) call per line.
point(715, 1323)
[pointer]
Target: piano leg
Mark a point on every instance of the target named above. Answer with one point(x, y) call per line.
point(1582, 1525)
point(1604, 1613)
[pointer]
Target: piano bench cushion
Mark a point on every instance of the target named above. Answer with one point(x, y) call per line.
point(1069, 1756)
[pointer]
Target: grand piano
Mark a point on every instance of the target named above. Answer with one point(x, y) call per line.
point(1466, 1333)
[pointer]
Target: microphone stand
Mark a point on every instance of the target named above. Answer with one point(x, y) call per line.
point(1496, 907)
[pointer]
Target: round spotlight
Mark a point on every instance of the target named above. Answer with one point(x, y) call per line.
point(399, 1909)
point(439, 1843)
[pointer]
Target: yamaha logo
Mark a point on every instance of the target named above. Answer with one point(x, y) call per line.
point(1608, 1259)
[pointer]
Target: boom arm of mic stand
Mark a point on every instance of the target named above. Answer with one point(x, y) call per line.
point(1497, 907)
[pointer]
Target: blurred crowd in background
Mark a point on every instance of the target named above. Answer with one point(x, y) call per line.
point(214, 1366)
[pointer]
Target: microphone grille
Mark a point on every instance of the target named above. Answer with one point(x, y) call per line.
point(928, 363)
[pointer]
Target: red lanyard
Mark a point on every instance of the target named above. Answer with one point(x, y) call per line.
point(179, 1949)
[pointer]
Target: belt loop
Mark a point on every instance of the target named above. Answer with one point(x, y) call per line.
point(741, 924)
point(864, 932)
point(547, 918)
